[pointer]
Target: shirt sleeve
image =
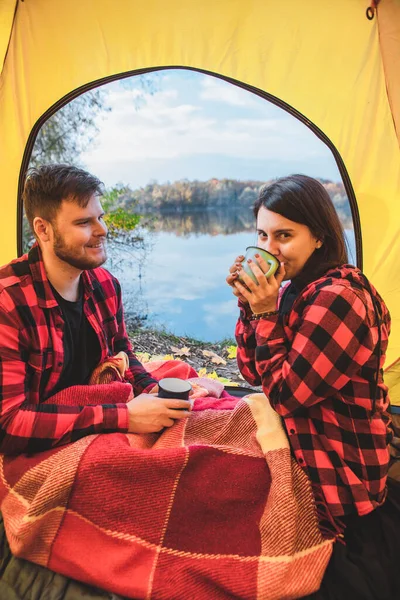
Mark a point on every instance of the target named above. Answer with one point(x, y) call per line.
point(27, 427)
point(136, 374)
point(332, 342)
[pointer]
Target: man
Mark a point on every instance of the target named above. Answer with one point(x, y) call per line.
point(60, 316)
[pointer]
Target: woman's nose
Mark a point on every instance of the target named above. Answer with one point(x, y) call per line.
point(269, 246)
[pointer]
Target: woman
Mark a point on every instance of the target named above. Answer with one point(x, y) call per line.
point(317, 347)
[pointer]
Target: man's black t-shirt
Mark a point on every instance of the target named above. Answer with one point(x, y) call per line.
point(81, 346)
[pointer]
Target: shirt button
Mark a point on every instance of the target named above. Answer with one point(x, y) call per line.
point(60, 364)
point(301, 460)
point(292, 431)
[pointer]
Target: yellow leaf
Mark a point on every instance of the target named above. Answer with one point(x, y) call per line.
point(144, 357)
point(223, 380)
point(232, 351)
point(212, 375)
point(157, 357)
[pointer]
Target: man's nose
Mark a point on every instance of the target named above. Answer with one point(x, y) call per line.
point(101, 229)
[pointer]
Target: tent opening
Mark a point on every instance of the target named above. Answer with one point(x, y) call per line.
point(183, 154)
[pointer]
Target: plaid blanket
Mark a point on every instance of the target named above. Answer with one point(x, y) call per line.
point(213, 507)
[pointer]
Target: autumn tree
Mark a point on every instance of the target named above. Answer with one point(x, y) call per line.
point(67, 133)
point(70, 131)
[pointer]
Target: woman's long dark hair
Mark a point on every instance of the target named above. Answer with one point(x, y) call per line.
point(304, 200)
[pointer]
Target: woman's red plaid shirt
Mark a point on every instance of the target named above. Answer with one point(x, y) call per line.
point(317, 364)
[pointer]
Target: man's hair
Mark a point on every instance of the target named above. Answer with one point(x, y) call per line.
point(47, 186)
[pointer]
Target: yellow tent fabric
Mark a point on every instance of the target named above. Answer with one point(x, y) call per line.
point(389, 37)
point(322, 58)
point(7, 9)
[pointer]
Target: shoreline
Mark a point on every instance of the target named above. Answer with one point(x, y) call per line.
point(210, 359)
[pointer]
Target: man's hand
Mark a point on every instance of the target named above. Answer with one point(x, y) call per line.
point(149, 414)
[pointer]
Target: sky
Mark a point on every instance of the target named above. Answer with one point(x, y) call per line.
point(195, 126)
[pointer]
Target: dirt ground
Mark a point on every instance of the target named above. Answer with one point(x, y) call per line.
point(213, 357)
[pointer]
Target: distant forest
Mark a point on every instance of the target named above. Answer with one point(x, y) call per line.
point(213, 195)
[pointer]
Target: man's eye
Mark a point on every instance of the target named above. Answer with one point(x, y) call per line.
point(83, 223)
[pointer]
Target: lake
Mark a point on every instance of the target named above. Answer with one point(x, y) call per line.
point(178, 279)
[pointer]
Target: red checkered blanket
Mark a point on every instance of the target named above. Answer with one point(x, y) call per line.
point(214, 507)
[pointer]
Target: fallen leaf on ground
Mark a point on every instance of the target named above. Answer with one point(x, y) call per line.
point(214, 375)
point(144, 357)
point(159, 357)
point(217, 360)
point(185, 351)
point(232, 351)
point(227, 381)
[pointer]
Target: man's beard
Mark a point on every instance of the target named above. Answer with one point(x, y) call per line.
point(69, 255)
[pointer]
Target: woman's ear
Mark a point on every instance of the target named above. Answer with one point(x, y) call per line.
point(318, 244)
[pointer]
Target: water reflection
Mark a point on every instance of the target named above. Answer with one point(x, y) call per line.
point(201, 222)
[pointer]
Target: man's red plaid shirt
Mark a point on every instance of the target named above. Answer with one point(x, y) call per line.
point(317, 365)
point(31, 352)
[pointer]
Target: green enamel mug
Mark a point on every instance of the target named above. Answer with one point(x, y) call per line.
point(269, 258)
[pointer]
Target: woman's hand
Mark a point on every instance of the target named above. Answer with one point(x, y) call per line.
point(262, 296)
point(233, 276)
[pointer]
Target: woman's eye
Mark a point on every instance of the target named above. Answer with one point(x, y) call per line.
point(284, 236)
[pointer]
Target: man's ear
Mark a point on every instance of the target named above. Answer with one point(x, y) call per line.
point(42, 229)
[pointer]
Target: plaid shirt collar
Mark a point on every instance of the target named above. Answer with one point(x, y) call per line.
point(41, 283)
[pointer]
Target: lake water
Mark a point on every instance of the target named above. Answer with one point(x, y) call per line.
point(179, 280)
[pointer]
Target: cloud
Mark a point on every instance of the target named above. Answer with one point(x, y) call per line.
point(220, 91)
point(164, 128)
point(214, 312)
point(161, 128)
point(200, 130)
